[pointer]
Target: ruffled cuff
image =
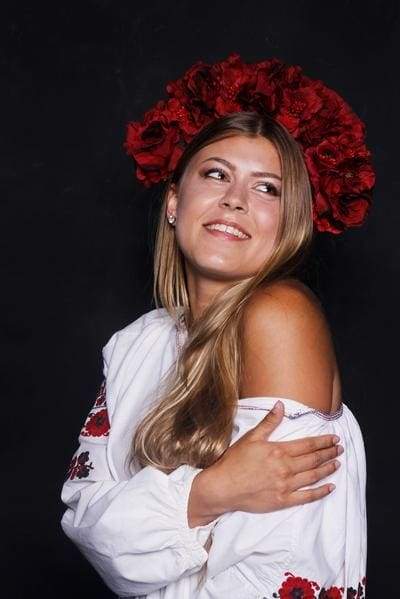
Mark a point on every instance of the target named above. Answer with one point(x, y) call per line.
point(193, 539)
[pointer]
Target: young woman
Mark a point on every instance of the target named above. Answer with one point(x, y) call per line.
point(191, 479)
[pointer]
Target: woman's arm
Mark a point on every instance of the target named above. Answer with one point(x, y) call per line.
point(134, 532)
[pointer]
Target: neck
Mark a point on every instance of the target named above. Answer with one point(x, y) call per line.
point(202, 292)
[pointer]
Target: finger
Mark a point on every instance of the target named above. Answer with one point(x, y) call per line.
point(309, 495)
point(315, 459)
point(303, 479)
point(269, 423)
point(306, 445)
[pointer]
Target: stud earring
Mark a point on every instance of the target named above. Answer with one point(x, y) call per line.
point(171, 219)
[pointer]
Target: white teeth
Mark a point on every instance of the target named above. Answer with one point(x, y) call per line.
point(228, 229)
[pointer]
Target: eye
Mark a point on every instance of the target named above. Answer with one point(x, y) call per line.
point(268, 188)
point(215, 173)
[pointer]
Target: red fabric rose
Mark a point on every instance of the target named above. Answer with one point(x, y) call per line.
point(197, 87)
point(342, 178)
point(233, 78)
point(265, 95)
point(335, 216)
point(298, 106)
point(153, 144)
point(158, 142)
point(334, 118)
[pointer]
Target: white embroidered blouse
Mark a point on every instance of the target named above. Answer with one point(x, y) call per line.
point(133, 528)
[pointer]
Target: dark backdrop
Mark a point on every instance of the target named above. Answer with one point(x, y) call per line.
point(77, 234)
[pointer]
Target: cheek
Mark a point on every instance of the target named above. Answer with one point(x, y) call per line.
point(268, 219)
point(188, 219)
point(194, 204)
point(190, 215)
point(267, 223)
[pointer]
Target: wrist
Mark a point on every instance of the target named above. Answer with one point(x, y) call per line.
point(205, 499)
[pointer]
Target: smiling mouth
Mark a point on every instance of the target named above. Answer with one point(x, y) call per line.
point(225, 235)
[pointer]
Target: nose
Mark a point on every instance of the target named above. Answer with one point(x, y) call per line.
point(235, 198)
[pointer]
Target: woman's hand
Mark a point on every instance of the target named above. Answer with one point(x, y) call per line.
point(257, 475)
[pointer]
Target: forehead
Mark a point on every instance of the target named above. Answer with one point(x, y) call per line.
point(243, 150)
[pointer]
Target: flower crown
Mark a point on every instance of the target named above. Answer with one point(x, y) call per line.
point(331, 136)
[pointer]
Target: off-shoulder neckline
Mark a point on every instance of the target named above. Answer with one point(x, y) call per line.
point(293, 408)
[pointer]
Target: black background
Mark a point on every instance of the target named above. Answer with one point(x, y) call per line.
point(77, 234)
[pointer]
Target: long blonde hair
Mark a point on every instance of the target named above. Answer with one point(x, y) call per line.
point(192, 421)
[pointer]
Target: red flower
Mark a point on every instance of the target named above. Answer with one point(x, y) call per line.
point(342, 178)
point(158, 142)
point(298, 106)
point(234, 78)
point(265, 95)
point(336, 152)
point(97, 424)
point(152, 144)
point(197, 88)
point(336, 217)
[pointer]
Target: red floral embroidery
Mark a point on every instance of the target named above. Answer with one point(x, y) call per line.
point(97, 423)
point(78, 467)
point(295, 587)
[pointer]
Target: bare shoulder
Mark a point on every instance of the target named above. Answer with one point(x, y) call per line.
point(288, 297)
point(287, 346)
point(285, 307)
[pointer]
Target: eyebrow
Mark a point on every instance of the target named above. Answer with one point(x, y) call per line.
point(233, 168)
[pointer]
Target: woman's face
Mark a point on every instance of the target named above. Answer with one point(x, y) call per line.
point(234, 181)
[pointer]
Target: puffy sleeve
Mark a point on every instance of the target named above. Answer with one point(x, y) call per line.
point(134, 532)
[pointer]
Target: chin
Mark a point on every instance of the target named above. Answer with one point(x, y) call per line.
point(225, 274)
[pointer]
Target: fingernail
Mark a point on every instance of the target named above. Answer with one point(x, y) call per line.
point(336, 439)
point(331, 488)
point(340, 450)
point(276, 407)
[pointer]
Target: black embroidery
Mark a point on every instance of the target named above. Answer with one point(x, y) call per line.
point(78, 467)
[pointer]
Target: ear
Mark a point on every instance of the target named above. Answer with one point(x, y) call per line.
point(172, 199)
